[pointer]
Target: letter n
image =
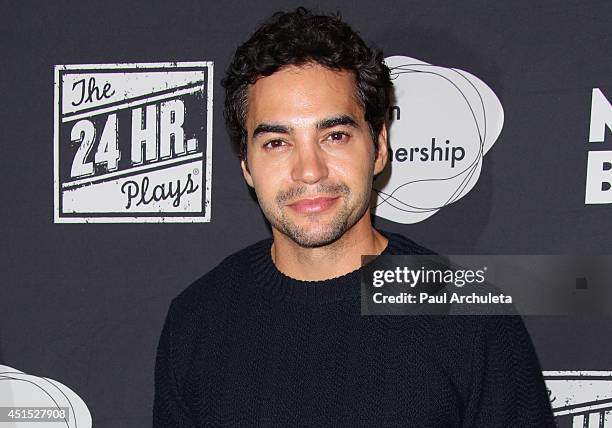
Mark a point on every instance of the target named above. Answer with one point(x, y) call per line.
point(601, 116)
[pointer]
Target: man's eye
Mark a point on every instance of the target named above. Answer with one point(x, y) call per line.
point(338, 137)
point(274, 144)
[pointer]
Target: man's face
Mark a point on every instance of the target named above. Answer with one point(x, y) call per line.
point(310, 153)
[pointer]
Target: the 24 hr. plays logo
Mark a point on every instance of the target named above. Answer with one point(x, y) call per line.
point(133, 142)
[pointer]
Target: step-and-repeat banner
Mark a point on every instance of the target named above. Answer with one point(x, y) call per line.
point(121, 186)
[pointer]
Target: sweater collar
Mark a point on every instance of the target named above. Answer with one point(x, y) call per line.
point(265, 275)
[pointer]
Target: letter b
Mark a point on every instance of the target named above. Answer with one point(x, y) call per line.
point(599, 178)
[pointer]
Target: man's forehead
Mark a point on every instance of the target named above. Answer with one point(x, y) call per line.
point(303, 95)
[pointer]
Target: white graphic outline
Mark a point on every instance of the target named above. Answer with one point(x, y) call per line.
point(57, 393)
point(487, 116)
point(206, 218)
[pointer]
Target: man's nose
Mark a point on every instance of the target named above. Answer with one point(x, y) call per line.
point(309, 163)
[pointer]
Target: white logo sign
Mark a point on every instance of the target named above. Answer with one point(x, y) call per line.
point(583, 397)
point(443, 121)
point(598, 189)
point(23, 398)
point(133, 142)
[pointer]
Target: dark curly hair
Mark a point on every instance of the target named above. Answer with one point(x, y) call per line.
point(296, 38)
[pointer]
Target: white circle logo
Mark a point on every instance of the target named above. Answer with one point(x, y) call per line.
point(443, 122)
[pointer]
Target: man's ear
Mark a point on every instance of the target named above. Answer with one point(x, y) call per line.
point(246, 173)
point(381, 157)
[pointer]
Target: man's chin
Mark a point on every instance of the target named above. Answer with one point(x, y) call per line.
point(308, 238)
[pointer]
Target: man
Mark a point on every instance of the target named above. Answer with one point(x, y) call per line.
point(273, 336)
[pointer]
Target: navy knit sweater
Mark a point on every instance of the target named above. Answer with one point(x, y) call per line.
point(246, 345)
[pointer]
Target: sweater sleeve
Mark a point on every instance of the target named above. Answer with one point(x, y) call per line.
point(169, 409)
point(508, 389)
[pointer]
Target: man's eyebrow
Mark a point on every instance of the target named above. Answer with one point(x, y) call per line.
point(336, 121)
point(330, 122)
point(264, 128)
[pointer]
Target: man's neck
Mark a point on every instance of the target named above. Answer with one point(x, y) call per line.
point(329, 261)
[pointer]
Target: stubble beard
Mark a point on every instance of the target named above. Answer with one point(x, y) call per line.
point(318, 233)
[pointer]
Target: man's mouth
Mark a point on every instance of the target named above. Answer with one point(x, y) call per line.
point(313, 205)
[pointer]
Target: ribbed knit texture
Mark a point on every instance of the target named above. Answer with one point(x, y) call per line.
point(246, 345)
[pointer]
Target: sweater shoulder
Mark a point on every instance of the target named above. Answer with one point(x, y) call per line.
point(223, 278)
point(205, 302)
